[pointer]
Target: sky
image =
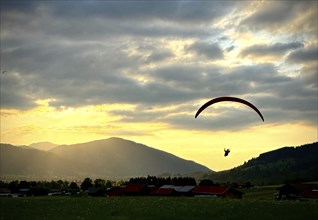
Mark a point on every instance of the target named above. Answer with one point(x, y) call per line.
point(78, 71)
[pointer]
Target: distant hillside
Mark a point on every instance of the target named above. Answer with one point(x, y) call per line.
point(119, 157)
point(287, 164)
point(24, 161)
point(43, 145)
point(110, 158)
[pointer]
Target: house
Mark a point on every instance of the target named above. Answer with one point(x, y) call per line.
point(5, 192)
point(132, 189)
point(153, 190)
point(96, 191)
point(217, 191)
point(115, 191)
point(135, 189)
point(184, 190)
point(25, 192)
point(172, 190)
point(296, 191)
point(166, 192)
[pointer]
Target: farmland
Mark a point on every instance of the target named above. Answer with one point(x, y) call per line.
point(256, 206)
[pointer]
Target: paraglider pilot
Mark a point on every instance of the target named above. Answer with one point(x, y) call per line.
point(226, 152)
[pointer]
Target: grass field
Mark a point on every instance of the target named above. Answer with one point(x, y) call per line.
point(261, 192)
point(154, 208)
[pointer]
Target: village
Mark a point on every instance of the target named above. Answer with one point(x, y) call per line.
point(151, 186)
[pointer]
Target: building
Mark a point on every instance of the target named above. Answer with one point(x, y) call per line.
point(217, 191)
point(172, 190)
point(5, 192)
point(297, 190)
point(135, 189)
point(96, 191)
point(115, 191)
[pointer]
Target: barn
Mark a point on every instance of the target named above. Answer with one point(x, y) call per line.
point(175, 190)
point(217, 191)
point(297, 190)
point(134, 189)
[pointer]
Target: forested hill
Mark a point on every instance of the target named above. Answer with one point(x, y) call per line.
point(287, 164)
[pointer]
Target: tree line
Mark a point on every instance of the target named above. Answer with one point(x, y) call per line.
point(56, 185)
point(160, 181)
point(44, 187)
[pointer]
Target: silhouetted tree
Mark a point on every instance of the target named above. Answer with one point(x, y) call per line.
point(14, 186)
point(73, 188)
point(100, 183)
point(87, 183)
point(184, 181)
point(206, 182)
point(23, 184)
point(109, 184)
point(73, 185)
point(3, 184)
point(62, 184)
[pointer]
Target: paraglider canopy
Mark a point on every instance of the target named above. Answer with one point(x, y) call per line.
point(231, 99)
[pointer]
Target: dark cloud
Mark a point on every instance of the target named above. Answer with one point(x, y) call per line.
point(304, 55)
point(98, 20)
point(277, 12)
point(158, 56)
point(97, 52)
point(276, 15)
point(178, 11)
point(206, 50)
point(310, 75)
point(307, 57)
point(229, 119)
point(13, 92)
point(229, 49)
point(277, 49)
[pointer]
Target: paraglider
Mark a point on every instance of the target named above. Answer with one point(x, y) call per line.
point(231, 99)
point(226, 152)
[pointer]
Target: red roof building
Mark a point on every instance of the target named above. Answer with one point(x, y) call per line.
point(136, 189)
point(218, 191)
point(166, 192)
point(116, 191)
point(172, 190)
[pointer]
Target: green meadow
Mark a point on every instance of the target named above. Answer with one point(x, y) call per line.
point(155, 208)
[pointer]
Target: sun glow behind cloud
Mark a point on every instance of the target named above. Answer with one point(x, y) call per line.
point(141, 71)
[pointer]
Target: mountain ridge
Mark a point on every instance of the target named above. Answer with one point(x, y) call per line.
point(106, 158)
point(117, 158)
point(43, 145)
point(286, 164)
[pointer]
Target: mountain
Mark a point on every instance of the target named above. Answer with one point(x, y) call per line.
point(287, 164)
point(32, 163)
point(109, 158)
point(116, 156)
point(43, 146)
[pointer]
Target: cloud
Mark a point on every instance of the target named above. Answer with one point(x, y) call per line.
point(282, 15)
point(13, 93)
point(304, 55)
point(207, 50)
point(280, 98)
point(307, 57)
point(177, 11)
point(158, 54)
point(278, 49)
point(110, 19)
